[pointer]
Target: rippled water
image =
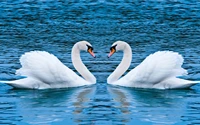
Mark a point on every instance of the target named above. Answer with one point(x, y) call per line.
point(55, 25)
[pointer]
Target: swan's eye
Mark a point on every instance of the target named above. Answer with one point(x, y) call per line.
point(113, 48)
point(112, 51)
point(89, 48)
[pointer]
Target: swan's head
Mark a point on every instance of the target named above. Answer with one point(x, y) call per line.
point(116, 46)
point(86, 46)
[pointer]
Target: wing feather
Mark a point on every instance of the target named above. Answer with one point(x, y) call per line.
point(157, 67)
point(45, 67)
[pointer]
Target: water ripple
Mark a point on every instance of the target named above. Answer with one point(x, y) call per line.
point(54, 26)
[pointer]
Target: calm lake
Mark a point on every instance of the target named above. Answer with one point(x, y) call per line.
point(56, 25)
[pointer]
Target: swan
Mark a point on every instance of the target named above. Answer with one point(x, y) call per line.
point(43, 70)
point(158, 71)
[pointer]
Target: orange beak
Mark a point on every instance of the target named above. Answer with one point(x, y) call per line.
point(112, 51)
point(91, 52)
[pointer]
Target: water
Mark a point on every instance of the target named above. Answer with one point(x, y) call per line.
point(55, 25)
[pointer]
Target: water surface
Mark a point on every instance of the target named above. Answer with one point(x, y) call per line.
point(55, 25)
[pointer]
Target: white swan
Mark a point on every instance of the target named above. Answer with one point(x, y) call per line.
point(43, 70)
point(159, 70)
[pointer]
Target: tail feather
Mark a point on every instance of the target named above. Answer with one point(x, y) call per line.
point(182, 83)
point(193, 82)
point(7, 82)
point(13, 84)
point(27, 83)
point(22, 83)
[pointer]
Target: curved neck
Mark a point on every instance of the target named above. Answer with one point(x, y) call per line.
point(79, 66)
point(123, 66)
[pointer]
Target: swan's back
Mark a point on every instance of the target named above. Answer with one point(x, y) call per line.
point(156, 69)
point(161, 65)
point(46, 68)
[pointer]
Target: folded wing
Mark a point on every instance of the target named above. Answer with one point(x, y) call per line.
point(156, 68)
point(46, 68)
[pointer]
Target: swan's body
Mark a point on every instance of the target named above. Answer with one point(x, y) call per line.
point(159, 70)
point(43, 70)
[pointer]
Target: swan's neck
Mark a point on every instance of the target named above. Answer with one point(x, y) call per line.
point(123, 66)
point(79, 66)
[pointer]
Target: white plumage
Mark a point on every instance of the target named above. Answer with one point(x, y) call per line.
point(159, 70)
point(43, 70)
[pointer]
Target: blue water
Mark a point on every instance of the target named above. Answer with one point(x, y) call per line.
point(55, 25)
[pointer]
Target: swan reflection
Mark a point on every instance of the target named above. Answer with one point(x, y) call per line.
point(50, 106)
point(152, 106)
